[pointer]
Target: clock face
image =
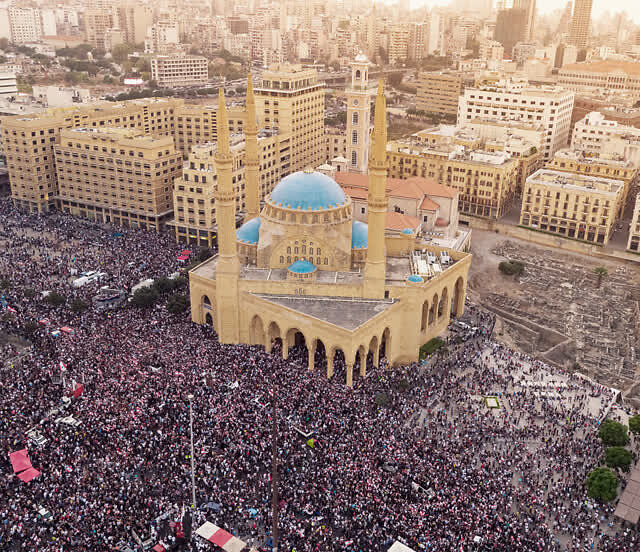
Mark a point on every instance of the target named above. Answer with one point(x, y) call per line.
point(355, 102)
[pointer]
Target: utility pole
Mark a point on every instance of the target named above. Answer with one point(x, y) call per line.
point(274, 472)
point(193, 460)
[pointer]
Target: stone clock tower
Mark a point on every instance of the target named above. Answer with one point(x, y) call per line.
point(358, 115)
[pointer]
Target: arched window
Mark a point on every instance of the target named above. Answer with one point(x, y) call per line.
point(326, 261)
point(358, 74)
point(354, 118)
point(295, 250)
point(354, 137)
point(317, 260)
point(289, 250)
point(311, 251)
point(288, 260)
point(281, 259)
point(318, 251)
point(354, 158)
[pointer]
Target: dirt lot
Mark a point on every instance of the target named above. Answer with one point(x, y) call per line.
point(558, 310)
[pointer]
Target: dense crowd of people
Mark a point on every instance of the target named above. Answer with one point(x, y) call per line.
point(410, 454)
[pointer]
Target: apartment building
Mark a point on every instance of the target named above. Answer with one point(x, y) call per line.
point(418, 40)
point(30, 141)
point(117, 175)
point(633, 243)
point(290, 100)
point(336, 143)
point(607, 76)
point(398, 43)
point(179, 70)
point(486, 181)
point(593, 133)
point(491, 50)
point(617, 168)
point(439, 92)
point(548, 106)
point(197, 124)
point(97, 22)
point(134, 19)
point(25, 24)
point(194, 193)
point(579, 27)
point(572, 205)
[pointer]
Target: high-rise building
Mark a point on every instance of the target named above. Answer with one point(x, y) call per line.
point(398, 43)
point(8, 85)
point(291, 100)
point(134, 20)
point(439, 92)
point(25, 24)
point(129, 182)
point(510, 100)
point(511, 28)
point(579, 28)
point(529, 6)
point(97, 20)
point(358, 115)
point(418, 40)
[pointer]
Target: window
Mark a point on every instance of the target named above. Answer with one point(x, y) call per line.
point(354, 137)
point(354, 158)
point(354, 119)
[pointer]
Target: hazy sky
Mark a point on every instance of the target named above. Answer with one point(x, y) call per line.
point(632, 7)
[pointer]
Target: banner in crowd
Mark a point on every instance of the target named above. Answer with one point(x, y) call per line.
point(220, 537)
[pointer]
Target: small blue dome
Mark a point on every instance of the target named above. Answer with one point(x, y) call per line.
point(415, 279)
point(302, 267)
point(359, 235)
point(308, 190)
point(407, 231)
point(249, 232)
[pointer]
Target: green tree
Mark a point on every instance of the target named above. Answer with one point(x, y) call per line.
point(601, 272)
point(602, 484)
point(164, 285)
point(613, 434)
point(108, 79)
point(55, 299)
point(177, 304)
point(145, 297)
point(634, 424)
point(618, 457)
point(120, 52)
point(29, 293)
point(511, 268)
point(78, 305)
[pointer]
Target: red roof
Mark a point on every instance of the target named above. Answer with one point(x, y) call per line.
point(400, 221)
point(415, 187)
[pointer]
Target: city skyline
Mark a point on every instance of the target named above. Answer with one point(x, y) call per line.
point(600, 7)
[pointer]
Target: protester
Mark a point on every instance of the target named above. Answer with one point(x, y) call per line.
point(513, 478)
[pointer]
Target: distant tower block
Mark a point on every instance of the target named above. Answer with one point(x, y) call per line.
point(358, 115)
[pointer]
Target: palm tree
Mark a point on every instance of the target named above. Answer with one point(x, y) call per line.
point(601, 272)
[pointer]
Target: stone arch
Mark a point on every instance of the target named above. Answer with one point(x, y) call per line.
point(385, 343)
point(374, 352)
point(256, 331)
point(361, 361)
point(320, 358)
point(457, 303)
point(443, 304)
point(433, 310)
point(273, 334)
point(208, 319)
point(293, 337)
point(338, 360)
point(425, 316)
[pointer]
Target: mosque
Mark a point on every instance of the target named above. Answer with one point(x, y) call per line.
point(302, 270)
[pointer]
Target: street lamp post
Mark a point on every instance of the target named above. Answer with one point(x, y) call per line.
point(193, 460)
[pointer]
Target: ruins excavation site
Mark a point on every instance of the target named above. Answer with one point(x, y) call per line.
point(557, 311)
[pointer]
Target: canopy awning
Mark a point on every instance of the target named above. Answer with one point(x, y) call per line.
point(28, 474)
point(20, 460)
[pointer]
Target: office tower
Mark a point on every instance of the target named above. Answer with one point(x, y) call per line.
point(579, 28)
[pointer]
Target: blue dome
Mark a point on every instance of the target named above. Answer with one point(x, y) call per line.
point(359, 235)
point(415, 279)
point(407, 231)
point(249, 232)
point(302, 267)
point(308, 190)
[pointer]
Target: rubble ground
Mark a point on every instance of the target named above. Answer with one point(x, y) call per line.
point(556, 310)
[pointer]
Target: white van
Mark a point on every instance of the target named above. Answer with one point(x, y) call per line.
point(80, 282)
